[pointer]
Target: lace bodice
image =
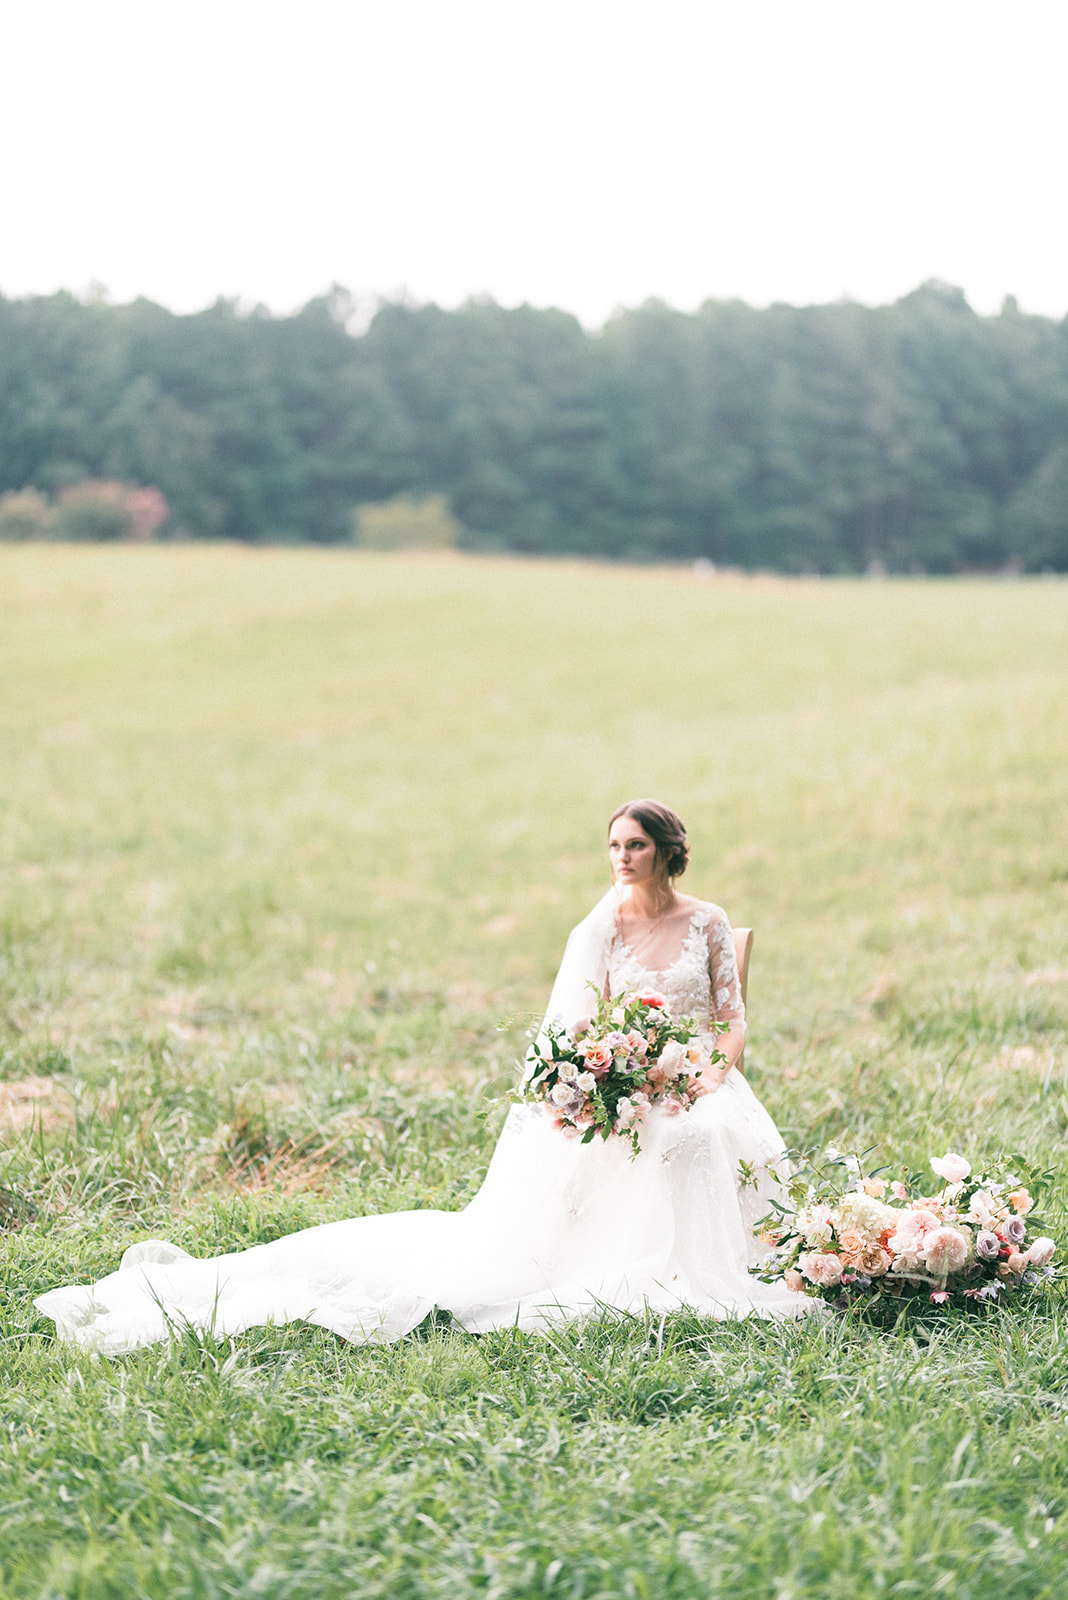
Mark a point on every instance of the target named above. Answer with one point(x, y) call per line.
point(702, 980)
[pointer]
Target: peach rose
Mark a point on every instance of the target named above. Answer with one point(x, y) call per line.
point(876, 1187)
point(851, 1243)
point(598, 1057)
point(1021, 1202)
point(874, 1260)
point(793, 1280)
point(1017, 1263)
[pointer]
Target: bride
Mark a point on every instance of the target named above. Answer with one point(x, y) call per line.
point(559, 1229)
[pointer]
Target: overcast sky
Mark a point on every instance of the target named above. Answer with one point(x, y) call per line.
point(581, 153)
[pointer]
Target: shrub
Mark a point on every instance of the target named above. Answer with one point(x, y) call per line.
point(407, 523)
point(24, 514)
point(100, 510)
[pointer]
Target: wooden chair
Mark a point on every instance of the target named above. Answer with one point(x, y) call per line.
point(743, 947)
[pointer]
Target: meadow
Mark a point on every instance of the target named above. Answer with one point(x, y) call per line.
point(290, 841)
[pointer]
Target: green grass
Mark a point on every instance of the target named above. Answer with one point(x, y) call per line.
point(289, 843)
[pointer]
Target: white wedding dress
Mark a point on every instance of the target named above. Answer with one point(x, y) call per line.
point(559, 1229)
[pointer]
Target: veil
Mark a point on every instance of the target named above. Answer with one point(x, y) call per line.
point(584, 968)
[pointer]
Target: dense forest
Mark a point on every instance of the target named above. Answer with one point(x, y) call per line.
point(917, 437)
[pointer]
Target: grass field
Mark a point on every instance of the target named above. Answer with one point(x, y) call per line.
point(289, 844)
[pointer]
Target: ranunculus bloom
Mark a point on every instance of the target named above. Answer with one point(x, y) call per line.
point(651, 997)
point(952, 1167)
point(1020, 1201)
point(822, 1268)
point(1041, 1252)
point(793, 1280)
point(987, 1245)
point(944, 1251)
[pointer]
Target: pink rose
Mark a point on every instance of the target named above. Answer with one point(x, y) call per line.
point(912, 1228)
point(597, 1055)
point(793, 1280)
point(952, 1167)
point(899, 1191)
point(944, 1251)
point(821, 1267)
point(1041, 1252)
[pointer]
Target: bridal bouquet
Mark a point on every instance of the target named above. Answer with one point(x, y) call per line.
point(601, 1078)
point(848, 1238)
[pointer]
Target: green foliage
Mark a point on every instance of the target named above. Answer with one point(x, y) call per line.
point(291, 841)
point(916, 437)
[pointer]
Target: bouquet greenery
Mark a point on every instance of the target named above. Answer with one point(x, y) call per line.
point(602, 1077)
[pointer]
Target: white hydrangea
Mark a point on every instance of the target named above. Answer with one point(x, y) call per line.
point(866, 1214)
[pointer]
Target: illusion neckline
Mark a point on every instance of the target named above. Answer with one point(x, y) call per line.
point(662, 972)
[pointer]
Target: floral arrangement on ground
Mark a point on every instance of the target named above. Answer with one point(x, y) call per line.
point(851, 1239)
point(603, 1076)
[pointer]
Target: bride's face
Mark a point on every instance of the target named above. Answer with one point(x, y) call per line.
point(632, 853)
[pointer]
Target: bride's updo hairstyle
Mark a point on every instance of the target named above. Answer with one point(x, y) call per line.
point(664, 828)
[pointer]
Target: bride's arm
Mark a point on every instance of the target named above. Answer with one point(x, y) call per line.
point(726, 1002)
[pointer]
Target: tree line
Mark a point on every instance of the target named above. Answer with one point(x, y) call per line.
point(917, 436)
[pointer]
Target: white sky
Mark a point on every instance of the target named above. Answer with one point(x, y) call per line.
point(583, 153)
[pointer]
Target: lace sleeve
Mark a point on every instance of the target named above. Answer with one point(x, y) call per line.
point(727, 1004)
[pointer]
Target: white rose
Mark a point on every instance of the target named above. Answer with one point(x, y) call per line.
point(1041, 1252)
point(672, 1059)
point(951, 1167)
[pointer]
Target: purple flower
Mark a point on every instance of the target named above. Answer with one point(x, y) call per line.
point(1015, 1230)
point(987, 1245)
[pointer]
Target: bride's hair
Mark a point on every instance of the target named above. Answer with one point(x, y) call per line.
point(664, 828)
